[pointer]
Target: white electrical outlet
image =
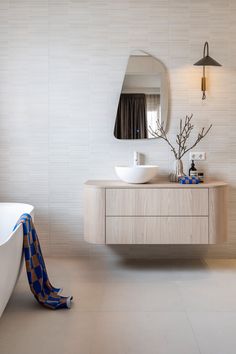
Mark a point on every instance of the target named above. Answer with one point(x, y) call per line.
point(197, 156)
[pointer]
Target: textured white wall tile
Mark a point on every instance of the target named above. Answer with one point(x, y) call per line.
point(61, 69)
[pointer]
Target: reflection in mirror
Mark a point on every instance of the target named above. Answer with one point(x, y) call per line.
point(144, 98)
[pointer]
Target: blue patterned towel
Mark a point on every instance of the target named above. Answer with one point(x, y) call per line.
point(39, 283)
point(189, 180)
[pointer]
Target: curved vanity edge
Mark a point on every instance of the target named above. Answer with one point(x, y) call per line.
point(155, 184)
point(94, 212)
point(218, 214)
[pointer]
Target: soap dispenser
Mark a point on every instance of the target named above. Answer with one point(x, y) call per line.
point(193, 170)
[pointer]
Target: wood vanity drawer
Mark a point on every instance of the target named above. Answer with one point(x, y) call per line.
point(157, 202)
point(156, 230)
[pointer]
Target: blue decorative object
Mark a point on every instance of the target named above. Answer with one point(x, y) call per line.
point(40, 285)
point(189, 180)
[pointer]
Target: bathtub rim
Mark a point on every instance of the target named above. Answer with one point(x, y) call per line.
point(30, 206)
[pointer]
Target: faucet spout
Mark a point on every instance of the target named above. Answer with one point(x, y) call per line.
point(136, 158)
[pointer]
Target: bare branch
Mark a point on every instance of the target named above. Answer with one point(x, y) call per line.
point(199, 138)
point(160, 133)
point(185, 129)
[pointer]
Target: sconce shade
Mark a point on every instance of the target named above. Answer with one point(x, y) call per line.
point(207, 61)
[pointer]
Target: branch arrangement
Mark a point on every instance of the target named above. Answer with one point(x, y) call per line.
point(185, 129)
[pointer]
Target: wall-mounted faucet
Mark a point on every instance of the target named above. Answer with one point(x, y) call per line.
point(136, 158)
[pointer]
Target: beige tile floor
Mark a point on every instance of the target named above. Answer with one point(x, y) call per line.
point(135, 307)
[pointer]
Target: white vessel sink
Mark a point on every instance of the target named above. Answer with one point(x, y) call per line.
point(136, 173)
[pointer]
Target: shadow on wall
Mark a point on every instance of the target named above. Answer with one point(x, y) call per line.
point(151, 252)
point(172, 266)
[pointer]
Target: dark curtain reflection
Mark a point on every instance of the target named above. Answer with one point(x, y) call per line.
point(131, 121)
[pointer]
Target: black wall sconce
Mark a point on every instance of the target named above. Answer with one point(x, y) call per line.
point(206, 61)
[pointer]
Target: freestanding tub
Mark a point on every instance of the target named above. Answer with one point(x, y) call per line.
point(11, 247)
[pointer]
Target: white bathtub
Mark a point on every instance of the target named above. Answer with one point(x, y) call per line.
point(11, 246)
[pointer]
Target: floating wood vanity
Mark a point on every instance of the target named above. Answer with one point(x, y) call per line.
point(155, 213)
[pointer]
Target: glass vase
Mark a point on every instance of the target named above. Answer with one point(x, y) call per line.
point(178, 171)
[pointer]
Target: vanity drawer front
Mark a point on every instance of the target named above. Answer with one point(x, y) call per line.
point(157, 202)
point(156, 230)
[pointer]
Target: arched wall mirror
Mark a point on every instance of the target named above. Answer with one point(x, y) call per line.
point(144, 98)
